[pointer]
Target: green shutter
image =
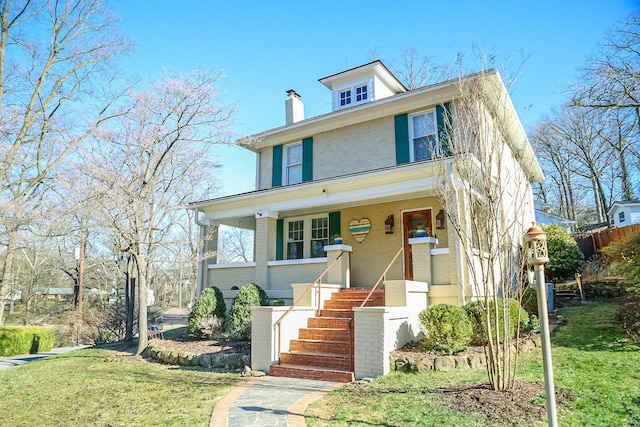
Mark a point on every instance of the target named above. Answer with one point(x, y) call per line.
point(279, 239)
point(402, 138)
point(276, 170)
point(307, 159)
point(334, 226)
point(443, 117)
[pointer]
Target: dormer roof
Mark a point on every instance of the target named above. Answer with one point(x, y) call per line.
point(376, 68)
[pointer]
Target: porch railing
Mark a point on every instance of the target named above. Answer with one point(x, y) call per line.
point(380, 280)
point(317, 283)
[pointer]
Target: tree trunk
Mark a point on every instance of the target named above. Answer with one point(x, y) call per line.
point(130, 298)
point(6, 270)
point(141, 262)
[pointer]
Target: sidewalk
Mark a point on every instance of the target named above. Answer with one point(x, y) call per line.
point(8, 362)
point(269, 402)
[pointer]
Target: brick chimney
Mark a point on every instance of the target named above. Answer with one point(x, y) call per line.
point(293, 107)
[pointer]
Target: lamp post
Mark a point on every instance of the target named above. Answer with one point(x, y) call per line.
point(538, 256)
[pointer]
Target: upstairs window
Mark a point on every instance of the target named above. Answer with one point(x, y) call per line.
point(293, 163)
point(345, 97)
point(423, 136)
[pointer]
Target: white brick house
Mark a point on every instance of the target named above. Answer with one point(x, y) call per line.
point(363, 173)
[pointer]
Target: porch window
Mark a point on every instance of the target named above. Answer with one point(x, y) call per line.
point(306, 236)
point(295, 240)
point(319, 236)
point(424, 136)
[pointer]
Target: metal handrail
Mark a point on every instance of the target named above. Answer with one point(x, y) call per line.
point(382, 277)
point(317, 282)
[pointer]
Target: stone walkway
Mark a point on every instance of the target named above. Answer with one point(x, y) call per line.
point(269, 402)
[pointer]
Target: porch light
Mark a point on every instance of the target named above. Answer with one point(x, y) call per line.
point(538, 256)
point(388, 225)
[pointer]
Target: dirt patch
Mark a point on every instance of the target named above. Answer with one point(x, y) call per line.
point(193, 345)
point(524, 404)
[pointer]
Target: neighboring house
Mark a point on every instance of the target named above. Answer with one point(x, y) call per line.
point(625, 213)
point(357, 181)
point(543, 217)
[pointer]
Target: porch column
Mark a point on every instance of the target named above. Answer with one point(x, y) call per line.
point(265, 245)
point(340, 273)
point(421, 253)
point(209, 235)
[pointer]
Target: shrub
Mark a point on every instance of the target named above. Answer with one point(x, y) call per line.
point(25, 340)
point(447, 327)
point(210, 327)
point(629, 316)
point(565, 258)
point(625, 256)
point(239, 321)
point(210, 303)
point(530, 301)
point(475, 313)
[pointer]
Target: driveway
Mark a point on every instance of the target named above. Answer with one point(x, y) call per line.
point(8, 362)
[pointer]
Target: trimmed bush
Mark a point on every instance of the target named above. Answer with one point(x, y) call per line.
point(565, 258)
point(25, 340)
point(475, 312)
point(447, 328)
point(530, 301)
point(239, 320)
point(210, 303)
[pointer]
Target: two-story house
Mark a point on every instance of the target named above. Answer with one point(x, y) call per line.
point(359, 181)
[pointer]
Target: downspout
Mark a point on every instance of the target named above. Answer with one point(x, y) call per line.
point(461, 289)
point(202, 262)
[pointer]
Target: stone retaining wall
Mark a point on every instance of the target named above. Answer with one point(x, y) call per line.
point(219, 362)
point(423, 362)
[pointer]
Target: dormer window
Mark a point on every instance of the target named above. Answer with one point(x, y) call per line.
point(345, 97)
point(361, 93)
point(355, 94)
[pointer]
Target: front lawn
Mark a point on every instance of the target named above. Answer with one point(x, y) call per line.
point(597, 375)
point(98, 387)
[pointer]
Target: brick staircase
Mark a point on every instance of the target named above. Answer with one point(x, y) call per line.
point(322, 350)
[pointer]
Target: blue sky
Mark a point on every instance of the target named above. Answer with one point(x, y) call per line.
point(267, 47)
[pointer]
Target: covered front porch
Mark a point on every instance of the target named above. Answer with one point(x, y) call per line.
point(298, 229)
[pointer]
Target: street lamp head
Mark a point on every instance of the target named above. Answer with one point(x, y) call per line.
point(537, 251)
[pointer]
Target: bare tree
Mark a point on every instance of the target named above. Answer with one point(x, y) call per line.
point(235, 245)
point(51, 54)
point(416, 70)
point(485, 186)
point(612, 78)
point(144, 163)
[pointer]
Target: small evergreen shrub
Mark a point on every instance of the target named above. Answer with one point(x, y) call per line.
point(210, 303)
point(530, 301)
point(25, 340)
point(475, 313)
point(565, 258)
point(239, 320)
point(447, 328)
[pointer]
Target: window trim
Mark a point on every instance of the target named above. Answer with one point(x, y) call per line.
point(432, 111)
point(306, 230)
point(621, 217)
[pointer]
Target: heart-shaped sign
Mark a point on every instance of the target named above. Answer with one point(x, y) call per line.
point(359, 228)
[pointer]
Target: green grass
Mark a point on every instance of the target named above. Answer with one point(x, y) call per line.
point(596, 370)
point(97, 387)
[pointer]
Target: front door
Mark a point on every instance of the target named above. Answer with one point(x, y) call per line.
point(411, 223)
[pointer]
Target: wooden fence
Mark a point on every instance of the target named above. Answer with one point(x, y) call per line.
point(593, 243)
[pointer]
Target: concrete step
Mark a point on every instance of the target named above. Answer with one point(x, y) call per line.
point(311, 373)
point(350, 303)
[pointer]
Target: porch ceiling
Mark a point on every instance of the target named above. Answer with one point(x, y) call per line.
point(380, 186)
